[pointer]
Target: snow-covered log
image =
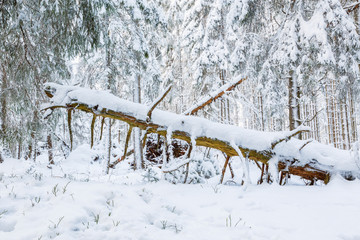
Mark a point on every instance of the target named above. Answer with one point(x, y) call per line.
point(315, 161)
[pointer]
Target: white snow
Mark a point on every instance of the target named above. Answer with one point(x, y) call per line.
point(41, 203)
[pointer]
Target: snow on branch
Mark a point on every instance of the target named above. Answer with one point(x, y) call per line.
point(292, 133)
point(213, 96)
point(351, 7)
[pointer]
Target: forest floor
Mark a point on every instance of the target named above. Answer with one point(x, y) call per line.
point(41, 203)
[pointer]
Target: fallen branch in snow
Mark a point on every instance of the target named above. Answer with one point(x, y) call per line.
point(213, 96)
point(256, 145)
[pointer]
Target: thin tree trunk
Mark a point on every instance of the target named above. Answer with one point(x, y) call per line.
point(109, 146)
point(298, 115)
point(353, 119)
point(347, 126)
point(3, 102)
point(342, 118)
point(92, 131)
point(19, 149)
point(50, 149)
point(294, 95)
point(29, 151)
point(291, 104)
point(333, 120)
point(139, 163)
point(69, 127)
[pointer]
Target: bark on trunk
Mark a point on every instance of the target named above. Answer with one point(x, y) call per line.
point(294, 109)
point(50, 149)
point(3, 102)
point(139, 163)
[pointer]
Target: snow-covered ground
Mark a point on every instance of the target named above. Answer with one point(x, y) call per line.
point(65, 203)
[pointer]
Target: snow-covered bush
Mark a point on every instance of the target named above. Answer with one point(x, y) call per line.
point(152, 174)
point(200, 169)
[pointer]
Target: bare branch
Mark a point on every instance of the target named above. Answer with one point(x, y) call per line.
point(213, 96)
point(157, 101)
point(305, 145)
point(352, 7)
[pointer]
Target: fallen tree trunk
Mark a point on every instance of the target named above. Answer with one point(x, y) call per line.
point(258, 146)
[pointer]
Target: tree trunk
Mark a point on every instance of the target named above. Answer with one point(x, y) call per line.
point(294, 96)
point(50, 149)
point(138, 163)
point(109, 144)
point(3, 102)
point(19, 149)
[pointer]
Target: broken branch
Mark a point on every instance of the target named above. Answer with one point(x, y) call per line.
point(157, 101)
point(213, 96)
